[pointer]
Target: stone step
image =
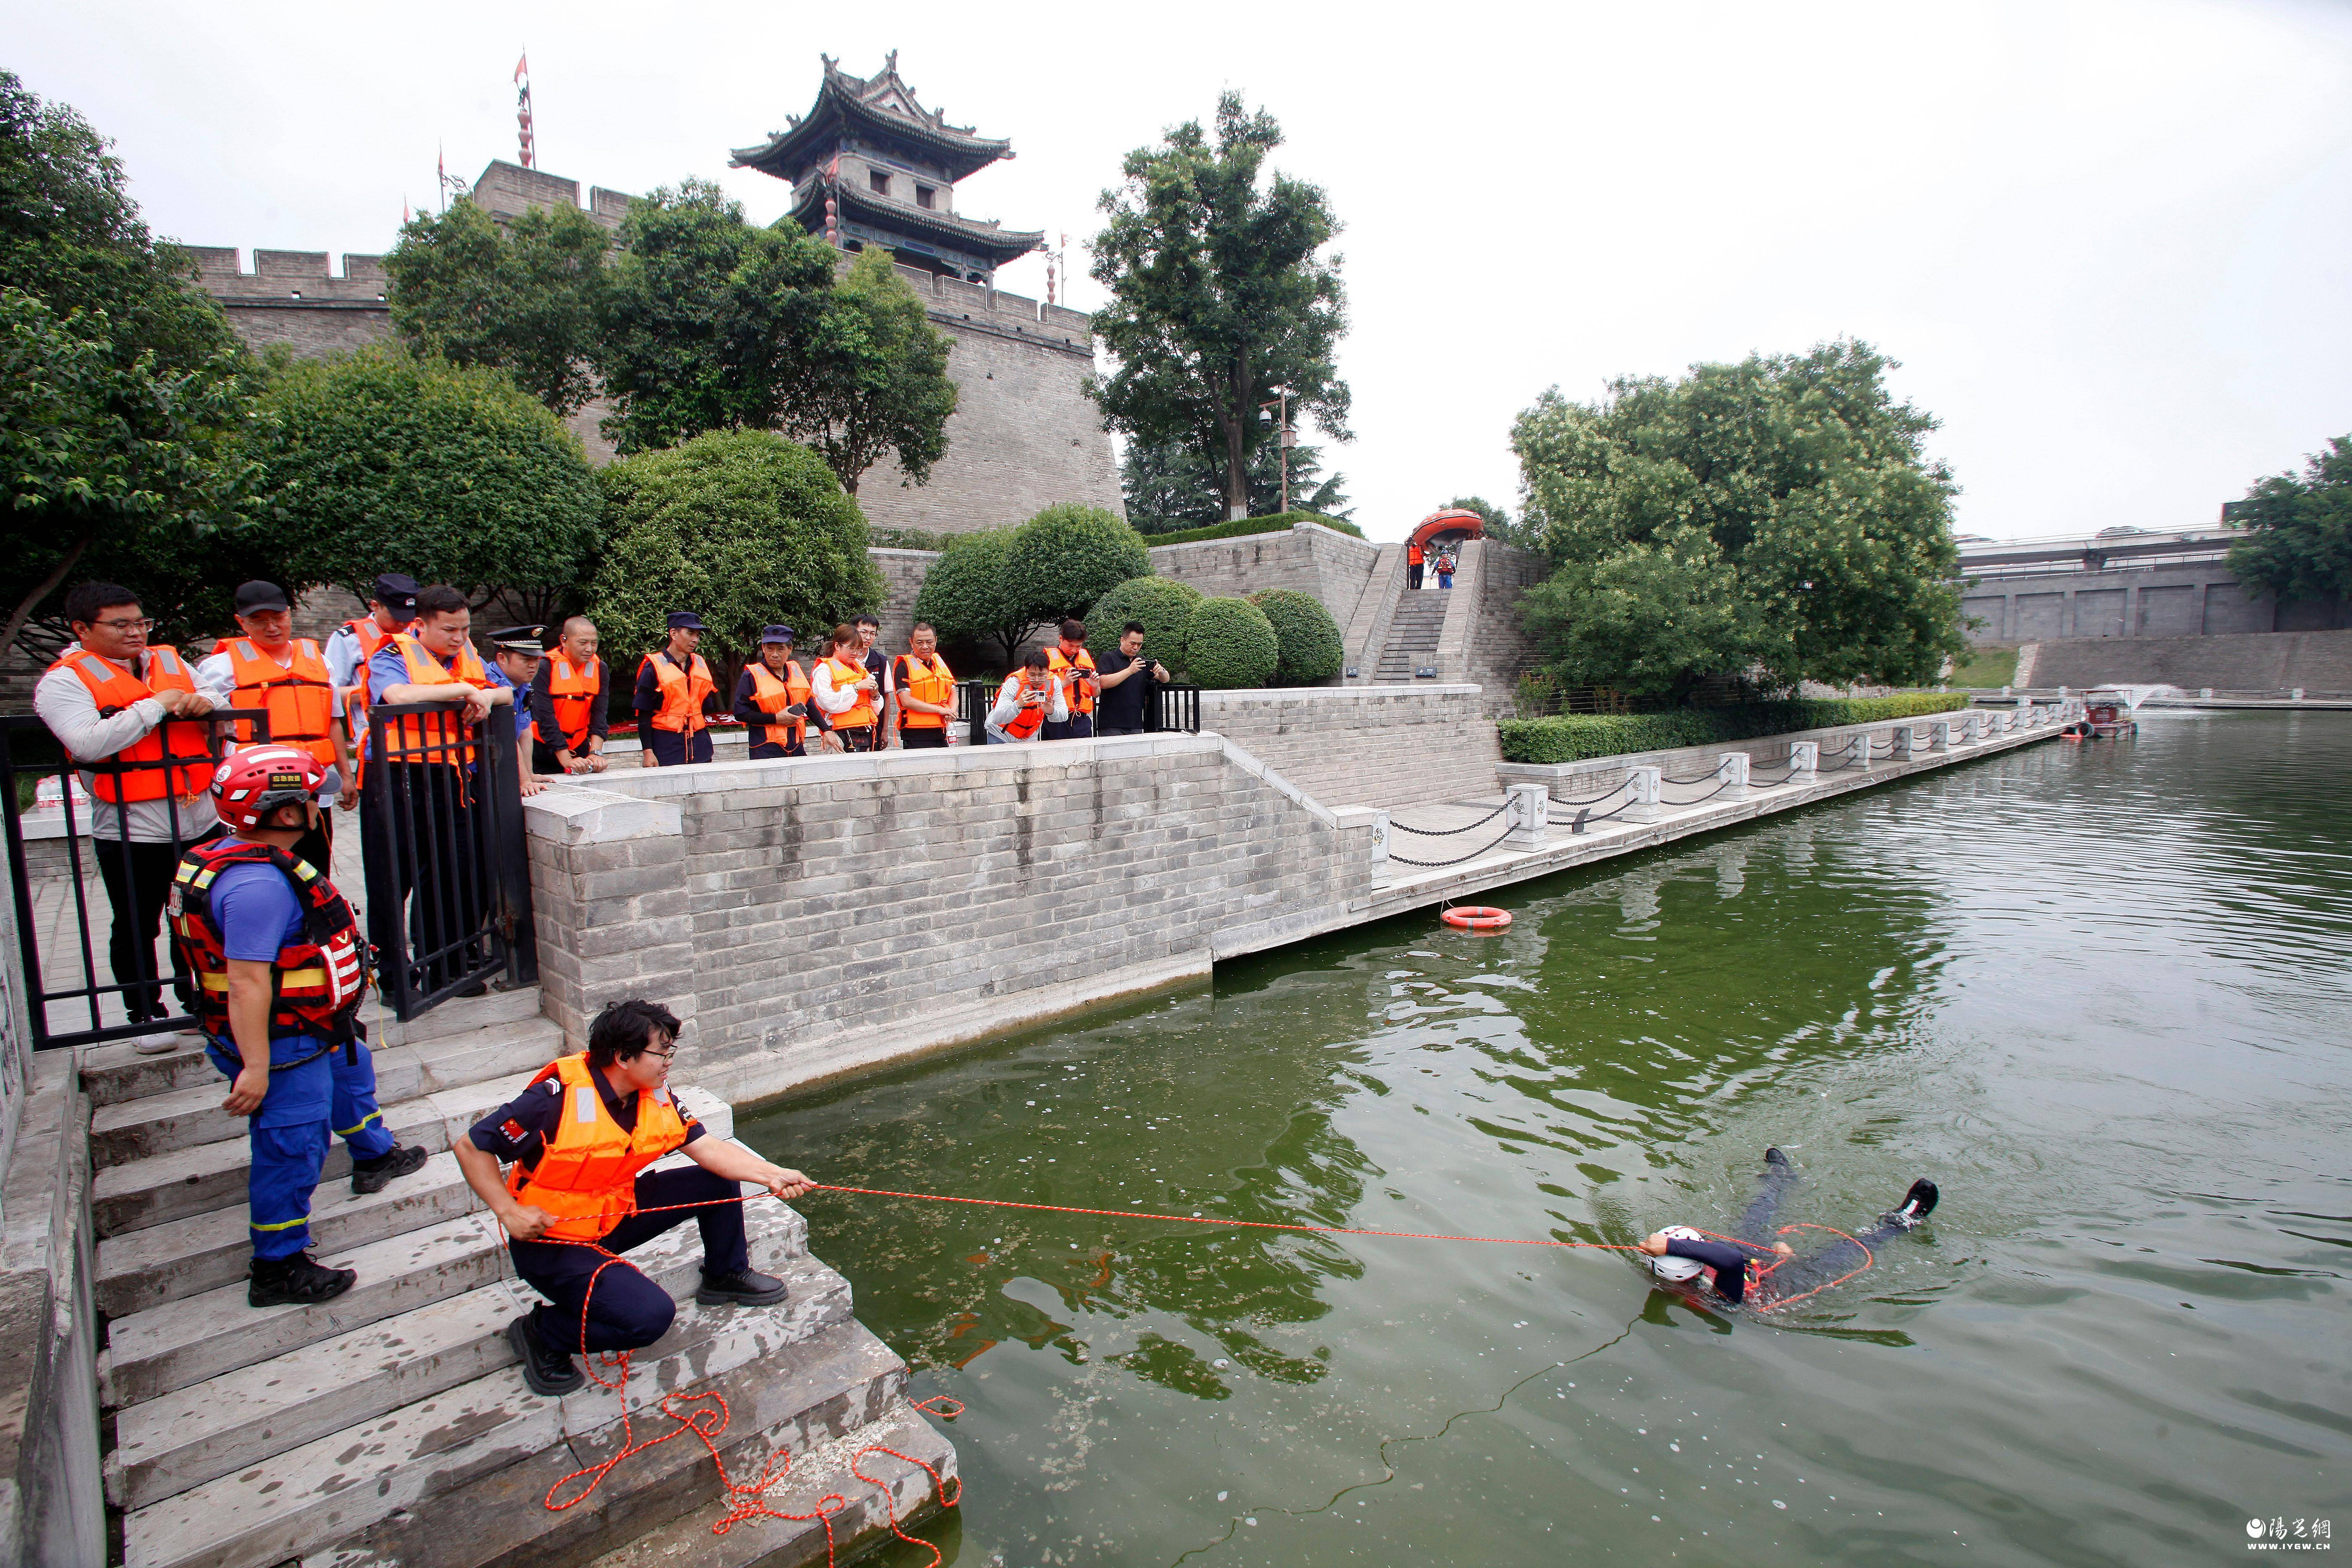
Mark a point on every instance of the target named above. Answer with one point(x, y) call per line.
point(145, 1268)
point(181, 1118)
point(197, 1337)
point(877, 1470)
point(115, 1073)
point(204, 1431)
point(460, 1477)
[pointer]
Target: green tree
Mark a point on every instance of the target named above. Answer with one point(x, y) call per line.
point(1218, 294)
point(968, 595)
point(2299, 529)
point(1230, 643)
point(1308, 644)
point(1796, 482)
point(524, 297)
point(879, 381)
point(743, 528)
point(1169, 488)
point(382, 462)
point(1067, 556)
point(90, 447)
point(708, 321)
point(1498, 522)
point(1648, 622)
point(1162, 605)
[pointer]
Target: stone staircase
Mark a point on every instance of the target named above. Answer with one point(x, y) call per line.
point(390, 1424)
point(1414, 633)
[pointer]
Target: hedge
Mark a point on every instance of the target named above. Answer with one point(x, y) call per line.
point(1311, 649)
point(1231, 644)
point(1279, 523)
point(1577, 737)
point(1164, 606)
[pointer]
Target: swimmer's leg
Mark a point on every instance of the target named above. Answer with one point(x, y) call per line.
point(1780, 1176)
point(1842, 1257)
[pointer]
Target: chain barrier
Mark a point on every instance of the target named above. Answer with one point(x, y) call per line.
point(1458, 859)
point(1449, 832)
point(1591, 800)
point(1721, 785)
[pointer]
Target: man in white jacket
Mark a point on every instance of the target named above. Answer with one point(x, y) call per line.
point(1030, 699)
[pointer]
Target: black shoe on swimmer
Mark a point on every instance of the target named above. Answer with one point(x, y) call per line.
point(295, 1281)
point(1774, 1157)
point(375, 1176)
point(1917, 1205)
point(739, 1288)
point(548, 1371)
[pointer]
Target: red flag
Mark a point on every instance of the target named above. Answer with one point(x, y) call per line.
point(522, 66)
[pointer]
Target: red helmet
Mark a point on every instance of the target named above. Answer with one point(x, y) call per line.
point(250, 784)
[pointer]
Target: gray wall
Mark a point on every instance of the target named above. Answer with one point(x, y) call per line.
point(2123, 601)
point(1365, 745)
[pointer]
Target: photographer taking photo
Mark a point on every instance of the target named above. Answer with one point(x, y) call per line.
point(1127, 684)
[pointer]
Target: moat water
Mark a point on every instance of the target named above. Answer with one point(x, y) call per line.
point(2101, 994)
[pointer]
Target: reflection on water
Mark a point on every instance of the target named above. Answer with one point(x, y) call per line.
point(2098, 992)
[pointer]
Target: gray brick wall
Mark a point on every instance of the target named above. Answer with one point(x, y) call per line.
point(1334, 567)
point(1365, 745)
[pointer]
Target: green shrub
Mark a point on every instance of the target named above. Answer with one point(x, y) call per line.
point(1231, 644)
point(1577, 737)
point(1279, 523)
point(1311, 648)
point(1164, 607)
point(967, 594)
point(1068, 557)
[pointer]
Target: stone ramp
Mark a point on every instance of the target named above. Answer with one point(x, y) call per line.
point(362, 1430)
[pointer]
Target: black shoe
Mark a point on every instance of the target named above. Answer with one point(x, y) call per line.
point(478, 988)
point(739, 1288)
point(548, 1371)
point(1774, 1157)
point(295, 1281)
point(1917, 1205)
point(375, 1176)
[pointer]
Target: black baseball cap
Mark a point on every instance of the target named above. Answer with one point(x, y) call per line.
point(397, 590)
point(783, 635)
point(252, 598)
point(685, 621)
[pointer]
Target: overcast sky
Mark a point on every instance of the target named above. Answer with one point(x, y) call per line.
point(2111, 244)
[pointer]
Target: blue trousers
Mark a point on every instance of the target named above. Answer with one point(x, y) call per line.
point(671, 751)
point(627, 1311)
point(306, 1109)
point(1801, 1274)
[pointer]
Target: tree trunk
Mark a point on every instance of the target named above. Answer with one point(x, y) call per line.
point(24, 611)
point(1233, 415)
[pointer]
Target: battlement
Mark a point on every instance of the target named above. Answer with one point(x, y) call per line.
point(952, 302)
point(509, 190)
point(290, 276)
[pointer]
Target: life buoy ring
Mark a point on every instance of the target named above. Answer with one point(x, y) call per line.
point(1478, 917)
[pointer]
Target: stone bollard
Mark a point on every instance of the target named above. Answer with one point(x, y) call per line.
point(1527, 812)
point(1380, 841)
point(1732, 770)
point(1940, 735)
point(1859, 746)
point(2205, 693)
point(2295, 695)
point(2062, 694)
point(1904, 736)
point(1804, 762)
point(1641, 793)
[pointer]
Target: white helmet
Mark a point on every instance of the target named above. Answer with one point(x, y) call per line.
point(1676, 1270)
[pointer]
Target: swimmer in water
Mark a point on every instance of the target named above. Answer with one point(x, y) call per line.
point(1678, 1255)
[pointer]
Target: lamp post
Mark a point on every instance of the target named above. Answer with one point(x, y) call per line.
point(1282, 402)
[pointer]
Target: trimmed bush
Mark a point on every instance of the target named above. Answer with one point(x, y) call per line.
point(1577, 737)
point(1164, 607)
point(1067, 556)
point(1279, 523)
point(1311, 648)
point(1231, 644)
point(967, 594)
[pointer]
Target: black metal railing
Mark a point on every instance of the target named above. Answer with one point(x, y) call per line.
point(134, 848)
point(448, 875)
point(1173, 708)
point(973, 700)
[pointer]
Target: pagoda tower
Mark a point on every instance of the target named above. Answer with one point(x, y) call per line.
point(868, 164)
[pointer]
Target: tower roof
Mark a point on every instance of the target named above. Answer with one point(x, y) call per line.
point(882, 105)
point(937, 232)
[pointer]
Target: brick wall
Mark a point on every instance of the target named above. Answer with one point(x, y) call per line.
point(1365, 745)
point(1308, 558)
point(776, 905)
point(903, 571)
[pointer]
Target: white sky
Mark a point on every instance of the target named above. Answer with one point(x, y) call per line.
point(2110, 243)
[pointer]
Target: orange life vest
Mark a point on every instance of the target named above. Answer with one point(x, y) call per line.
point(571, 688)
point(587, 1174)
point(1026, 722)
point(1412, 554)
point(847, 673)
point(1080, 697)
point(410, 737)
point(115, 688)
point(682, 694)
point(316, 984)
point(301, 696)
point(925, 683)
point(370, 638)
point(771, 695)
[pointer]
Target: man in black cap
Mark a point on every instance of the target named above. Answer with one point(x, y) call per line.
point(391, 609)
point(772, 697)
point(515, 653)
point(674, 698)
point(266, 666)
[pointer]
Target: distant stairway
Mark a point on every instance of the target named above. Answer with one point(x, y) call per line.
point(390, 1424)
point(1413, 634)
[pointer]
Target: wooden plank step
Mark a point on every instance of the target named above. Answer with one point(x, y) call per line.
point(202, 1251)
point(427, 1460)
point(197, 1337)
point(181, 1118)
point(239, 1418)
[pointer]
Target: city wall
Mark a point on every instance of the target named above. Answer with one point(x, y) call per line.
point(1334, 567)
point(1365, 745)
point(2182, 601)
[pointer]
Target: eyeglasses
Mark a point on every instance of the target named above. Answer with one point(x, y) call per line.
point(128, 626)
point(664, 1055)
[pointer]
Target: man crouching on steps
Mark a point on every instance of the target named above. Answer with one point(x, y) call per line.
point(577, 1138)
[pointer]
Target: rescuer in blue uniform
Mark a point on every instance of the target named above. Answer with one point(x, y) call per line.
point(281, 970)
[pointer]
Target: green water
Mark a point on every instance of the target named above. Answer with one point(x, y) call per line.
point(2100, 994)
